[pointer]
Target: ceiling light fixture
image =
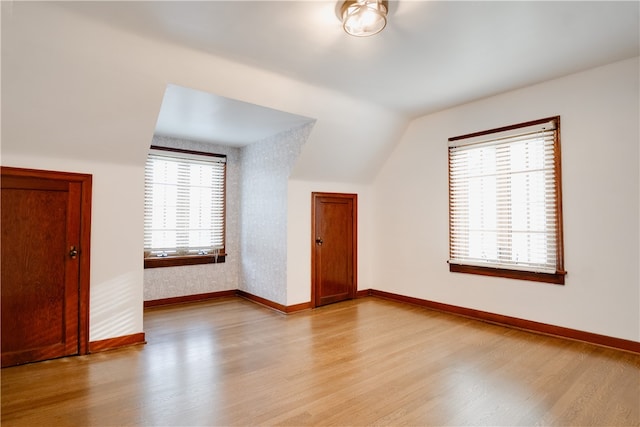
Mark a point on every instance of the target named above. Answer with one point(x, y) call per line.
point(362, 18)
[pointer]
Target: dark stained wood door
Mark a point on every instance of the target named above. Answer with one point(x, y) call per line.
point(334, 247)
point(41, 230)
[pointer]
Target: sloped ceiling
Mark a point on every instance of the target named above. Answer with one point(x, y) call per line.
point(78, 88)
point(432, 55)
point(201, 116)
point(87, 79)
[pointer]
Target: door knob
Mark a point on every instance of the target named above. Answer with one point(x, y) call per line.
point(319, 241)
point(73, 252)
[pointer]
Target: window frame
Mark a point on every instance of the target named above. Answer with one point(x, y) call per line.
point(555, 278)
point(183, 260)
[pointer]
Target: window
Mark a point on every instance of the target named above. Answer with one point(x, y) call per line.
point(184, 209)
point(505, 209)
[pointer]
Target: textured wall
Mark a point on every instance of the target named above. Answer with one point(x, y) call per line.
point(256, 228)
point(266, 166)
point(170, 282)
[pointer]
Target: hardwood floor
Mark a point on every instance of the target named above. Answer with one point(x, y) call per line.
point(363, 362)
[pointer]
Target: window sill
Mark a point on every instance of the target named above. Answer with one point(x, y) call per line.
point(554, 278)
point(174, 261)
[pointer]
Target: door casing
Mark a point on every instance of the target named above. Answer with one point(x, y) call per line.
point(85, 182)
point(315, 200)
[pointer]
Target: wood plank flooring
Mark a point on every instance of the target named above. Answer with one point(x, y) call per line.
point(365, 362)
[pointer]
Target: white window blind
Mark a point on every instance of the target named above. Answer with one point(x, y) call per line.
point(184, 203)
point(503, 201)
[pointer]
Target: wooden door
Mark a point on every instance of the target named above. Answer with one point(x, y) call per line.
point(44, 280)
point(334, 247)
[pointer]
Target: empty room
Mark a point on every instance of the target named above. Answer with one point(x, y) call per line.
point(361, 212)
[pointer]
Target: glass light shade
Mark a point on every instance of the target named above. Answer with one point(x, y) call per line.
point(363, 18)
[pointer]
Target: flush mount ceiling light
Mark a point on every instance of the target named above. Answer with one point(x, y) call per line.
point(362, 18)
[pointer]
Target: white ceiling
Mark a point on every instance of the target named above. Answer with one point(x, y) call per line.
point(432, 55)
point(201, 116)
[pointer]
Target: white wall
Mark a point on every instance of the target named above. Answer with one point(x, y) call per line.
point(82, 96)
point(599, 112)
point(299, 236)
point(116, 267)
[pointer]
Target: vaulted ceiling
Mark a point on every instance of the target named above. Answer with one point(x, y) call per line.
point(432, 55)
point(86, 79)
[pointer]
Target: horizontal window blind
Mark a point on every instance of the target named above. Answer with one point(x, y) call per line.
point(184, 203)
point(503, 201)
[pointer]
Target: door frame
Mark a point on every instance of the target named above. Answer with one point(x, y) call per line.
point(354, 256)
point(86, 182)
